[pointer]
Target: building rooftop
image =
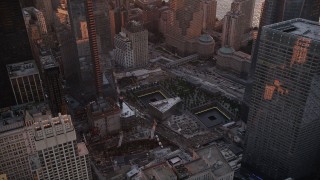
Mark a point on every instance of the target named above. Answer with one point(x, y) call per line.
point(134, 26)
point(226, 50)
point(103, 106)
point(206, 38)
point(161, 171)
point(21, 69)
point(196, 166)
point(47, 126)
point(11, 119)
point(16, 116)
point(300, 27)
point(126, 111)
point(213, 157)
point(82, 149)
point(165, 104)
point(48, 61)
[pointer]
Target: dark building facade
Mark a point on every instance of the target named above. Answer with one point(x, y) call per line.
point(14, 46)
point(280, 10)
point(99, 31)
point(53, 84)
point(282, 138)
point(275, 11)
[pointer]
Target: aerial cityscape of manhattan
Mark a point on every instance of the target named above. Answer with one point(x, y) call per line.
point(159, 89)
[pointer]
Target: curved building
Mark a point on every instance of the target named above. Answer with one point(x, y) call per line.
point(205, 46)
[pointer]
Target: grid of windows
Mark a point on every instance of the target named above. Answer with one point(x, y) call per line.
point(62, 162)
point(14, 155)
point(282, 124)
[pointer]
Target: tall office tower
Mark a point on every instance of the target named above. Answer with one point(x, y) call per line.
point(60, 156)
point(185, 21)
point(69, 55)
point(118, 18)
point(46, 7)
point(14, 46)
point(131, 46)
point(99, 38)
point(209, 17)
point(33, 15)
point(247, 9)
point(231, 38)
point(25, 82)
point(17, 139)
point(280, 10)
point(283, 126)
point(275, 11)
point(53, 84)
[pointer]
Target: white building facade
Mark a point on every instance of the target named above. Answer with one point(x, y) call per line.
point(131, 46)
point(60, 156)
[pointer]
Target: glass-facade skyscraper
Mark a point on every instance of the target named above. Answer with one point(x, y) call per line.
point(275, 11)
point(284, 118)
point(281, 10)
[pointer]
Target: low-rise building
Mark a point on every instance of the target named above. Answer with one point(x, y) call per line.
point(104, 115)
point(208, 164)
point(163, 109)
point(160, 171)
point(233, 61)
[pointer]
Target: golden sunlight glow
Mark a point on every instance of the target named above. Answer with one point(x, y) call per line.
point(300, 51)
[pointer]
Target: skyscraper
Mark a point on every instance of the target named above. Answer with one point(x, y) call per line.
point(46, 7)
point(14, 46)
point(118, 17)
point(283, 125)
point(17, 139)
point(237, 24)
point(33, 15)
point(99, 37)
point(59, 155)
point(25, 82)
point(280, 10)
point(186, 20)
point(275, 11)
point(247, 9)
point(209, 17)
point(232, 25)
point(131, 46)
point(53, 83)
